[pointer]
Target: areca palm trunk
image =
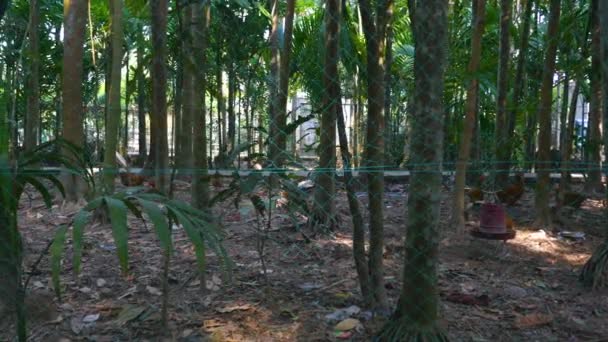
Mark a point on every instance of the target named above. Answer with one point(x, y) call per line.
point(325, 207)
point(501, 129)
point(375, 23)
point(593, 149)
point(518, 84)
point(32, 121)
point(159, 88)
point(416, 317)
point(464, 153)
point(114, 112)
point(543, 186)
point(201, 18)
point(73, 51)
point(141, 100)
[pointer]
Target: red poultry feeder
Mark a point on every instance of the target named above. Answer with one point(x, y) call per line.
point(492, 223)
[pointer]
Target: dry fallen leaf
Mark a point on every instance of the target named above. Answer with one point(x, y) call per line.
point(231, 308)
point(532, 320)
point(153, 290)
point(347, 324)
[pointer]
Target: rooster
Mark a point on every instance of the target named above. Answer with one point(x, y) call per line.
point(475, 193)
point(513, 192)
point(570, 198)
point(128, 178)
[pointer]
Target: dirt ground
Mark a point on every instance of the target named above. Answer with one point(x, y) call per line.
point(524, 290)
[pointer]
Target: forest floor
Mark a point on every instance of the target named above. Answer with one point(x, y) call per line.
point(524, 290)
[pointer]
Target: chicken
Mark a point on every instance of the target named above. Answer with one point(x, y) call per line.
point(132, 179)
point(512, 193)
point(571, 198)
point(475, 193)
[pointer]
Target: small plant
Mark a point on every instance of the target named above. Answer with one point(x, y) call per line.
point(163, 213)
point(15, 175)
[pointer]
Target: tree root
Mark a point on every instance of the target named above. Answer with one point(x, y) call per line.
point(402, 330)
point(595, 271)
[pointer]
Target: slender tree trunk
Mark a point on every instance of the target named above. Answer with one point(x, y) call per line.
point(58, 99)
point(501, 130)
point(274, 105)
point(355, 210)
point(543, 187)
point(283, 90)
point(603, 15)
point(32, 120)
point(221, 108)
point(464, 152)
point(125, 135)
point(324, 211)
point(113, 116)
point(375, 25)
point(189, 69)
point(594, 142)
point(388, 132)
point(141, 100)
point(159, 92)
point(201, 18)
point(566, 148)
point(231, 110)
point(416, 317)
point(518, 85)
point(75, 20)
point(563, 114)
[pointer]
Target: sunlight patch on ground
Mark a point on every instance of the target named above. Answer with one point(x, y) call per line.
point(543, 243)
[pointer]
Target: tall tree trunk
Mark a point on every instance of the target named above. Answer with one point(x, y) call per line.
point(501, 130)
point(58, 99)
point(231, 110)
point(603, 15)
point(189, 69)
point(113, 118)
point(75, 19)
point(201, 18)
point(464, 152)
point(221, 107)
point(566, 148)
point(518, 85)
point(279, 150)
point(273, 112)
point(325, 207)
point(563, 113)
point(141, 99)
point(125, 135)
point(375, 24)
point(159, 92)
point(416, 317)
point(32, 120)
point(388, 132)
point(543, 186)
point(594, 142)
point(355, 210)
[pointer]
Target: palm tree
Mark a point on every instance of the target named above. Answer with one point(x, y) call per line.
point(543, 213)
point(502, 151)
point(32, 121)
point(416, 316)
point(159, 90)
point(325, 207)
point(479, 10)
point(114, 112)
point(375, 22)
point(201, 17)
point(75, 20)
